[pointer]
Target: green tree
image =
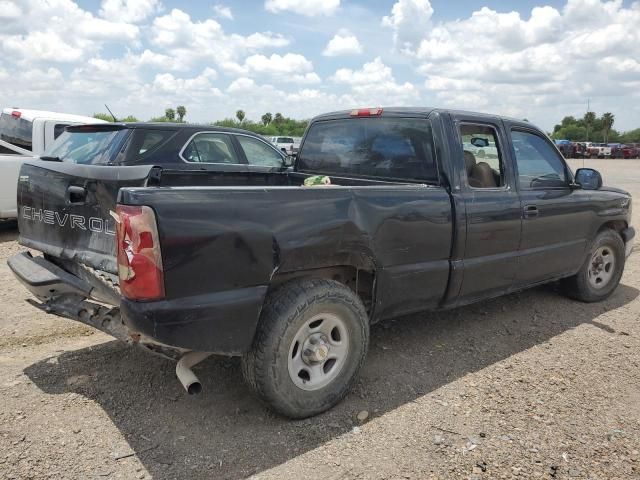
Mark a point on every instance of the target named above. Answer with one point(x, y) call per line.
point(240, 115)
point(266, 119)
point(103, 116)
point(170, 114)
point(607, 123)
point(589, 120)
point(632, 136)
point(278, 119)
point(181, 111)
point(108, 118)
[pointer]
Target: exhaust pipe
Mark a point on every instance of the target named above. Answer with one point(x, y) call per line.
point(184, 373)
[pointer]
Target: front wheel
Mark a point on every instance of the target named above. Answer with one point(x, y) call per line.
point(312, 340)
point(601, 272)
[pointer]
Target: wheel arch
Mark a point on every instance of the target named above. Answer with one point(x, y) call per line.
point(360, 278)
point(617, 226)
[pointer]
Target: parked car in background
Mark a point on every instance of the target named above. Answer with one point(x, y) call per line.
point(25, 134)
point(566, 147)
point(175, 147)
point(599, 150)
point(625, 151)
point(287, 144)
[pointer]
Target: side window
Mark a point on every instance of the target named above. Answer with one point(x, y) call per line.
point(539, 165)
point(482, 158)
point(259, 153)
point(210, 148)
point(58, 128)
point(145, 141)
point(393, 148)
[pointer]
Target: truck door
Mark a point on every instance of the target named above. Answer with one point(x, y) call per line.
point(556, 218)
point(493, 218)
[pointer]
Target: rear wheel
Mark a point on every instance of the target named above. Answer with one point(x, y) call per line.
point(601, 272)
point(311, 342)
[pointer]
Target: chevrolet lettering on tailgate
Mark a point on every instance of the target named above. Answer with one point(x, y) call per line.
point(93, 224)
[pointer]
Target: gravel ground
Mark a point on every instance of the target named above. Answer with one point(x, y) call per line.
point(532, 385)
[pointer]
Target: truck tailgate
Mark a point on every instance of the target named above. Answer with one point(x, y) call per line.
point(64, 209)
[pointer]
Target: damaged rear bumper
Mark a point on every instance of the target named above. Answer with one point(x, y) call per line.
point(220, 322)
point(66, 295)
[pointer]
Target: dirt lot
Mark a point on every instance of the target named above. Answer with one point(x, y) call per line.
point(532, 385)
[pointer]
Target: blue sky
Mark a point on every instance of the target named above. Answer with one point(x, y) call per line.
point(532, 58)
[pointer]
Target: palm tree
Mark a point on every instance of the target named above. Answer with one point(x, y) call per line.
point(607, 122)
point(181, 111)
point(278, 119)
point(266, 119)
point(170, 113)
point(240, 115)
point(589, 119)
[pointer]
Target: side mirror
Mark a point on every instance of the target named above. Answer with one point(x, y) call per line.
point(289, 160)
point(588, 178)
point(479, 142)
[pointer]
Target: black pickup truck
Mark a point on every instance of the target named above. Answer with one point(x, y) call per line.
point(423, 209)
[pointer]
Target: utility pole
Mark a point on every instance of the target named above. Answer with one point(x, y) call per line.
point(588, 108)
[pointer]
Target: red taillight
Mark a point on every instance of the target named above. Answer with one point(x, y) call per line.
point(139, 258)
point(16, 114)
point(366, 112)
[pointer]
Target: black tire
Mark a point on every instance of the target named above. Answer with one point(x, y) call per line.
point(266, 366)
point(579, 286)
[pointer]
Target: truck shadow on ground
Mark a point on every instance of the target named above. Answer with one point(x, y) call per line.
point(8, 231)
point(226, 433)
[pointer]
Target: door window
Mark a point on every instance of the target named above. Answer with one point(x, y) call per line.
point(259, 153)
point(482, 159)
point(539, 164)
point(210, 148)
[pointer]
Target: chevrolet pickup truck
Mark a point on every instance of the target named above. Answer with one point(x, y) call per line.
point(289, 277)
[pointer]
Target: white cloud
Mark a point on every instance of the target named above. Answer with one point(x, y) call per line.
point(290, 67)
point(59, 31)
point(343, 43)
point(242, 84)
point(47, 46)
point(223, 11)
point(543, 65)
point(375, 84)
point(167, 83)
point(308, 8)
point(129, 11)
point(372, 72)
point(194, 42)
point(409, 19)
point(9, 10)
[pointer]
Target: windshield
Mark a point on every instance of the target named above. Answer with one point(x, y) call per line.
point(285, 140)
point(90, 147)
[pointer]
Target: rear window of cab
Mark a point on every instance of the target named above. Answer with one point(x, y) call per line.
point(102, 145)
point(377, 147)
